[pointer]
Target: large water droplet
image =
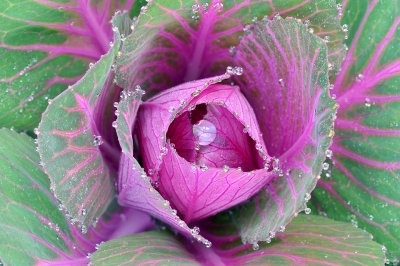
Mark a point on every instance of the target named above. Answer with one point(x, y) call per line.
point(205, 132)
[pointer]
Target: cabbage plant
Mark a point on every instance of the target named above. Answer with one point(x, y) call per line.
point(243, 132)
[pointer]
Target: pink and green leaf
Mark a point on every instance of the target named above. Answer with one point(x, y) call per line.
point(134, 187)
point(178, 41)
point(307, 240)
point(46, 46)
point(75, 150)
point(32, 228)
point(154, 247)
point(362, 182)
point(286, 83)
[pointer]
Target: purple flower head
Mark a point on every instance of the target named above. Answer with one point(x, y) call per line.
point(205, 150)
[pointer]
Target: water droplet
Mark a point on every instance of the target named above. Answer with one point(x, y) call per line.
point(30, 98)
point(367, 102)
point(196, 93)
point(83, 212)
point(282, 228)
point(97, 140)
point(307, 197)
point(218, 7)
point(225, 168)
point(164, 151)
point(36, 131)
point(326, 38)
point(246, 29)
point(207, 243)
point(205, 132)
point(238, 71)
point(329, 153)
point(359, 77)
point(339, 6)
point(139, 90)
point(271, 234)
point(84, 229)
point(203, 167)
point(275, 165)
point(307, 22)
point(229, 70)
point(325, 166)
point(307, 210)
point(281, 82)
point(181, 223)
point(277, 16)
point(311, 30)
point(91, 65)
point(256, 246)
point(195, 230)
point(345, 27)
point(114, 124)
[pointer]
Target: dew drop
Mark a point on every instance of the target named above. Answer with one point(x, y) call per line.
point(207, 243)
point(97, 140)
point(345, 27)
point(307, 197)
point(36, 131)
point(307, 210)
point(271, 234)
point(114, 124)
point(367, 102)
point(255, 246)
point(325, 166)
point(282, 228)
point(225, 168)
point(203, 167)
point(329, 153)
point(195, 231)
point(205, 132)
point(281, 82)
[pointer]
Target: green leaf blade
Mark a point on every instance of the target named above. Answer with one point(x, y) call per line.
point(361, 183)
point(33, 230)
point(70, 139)
point(154, 247)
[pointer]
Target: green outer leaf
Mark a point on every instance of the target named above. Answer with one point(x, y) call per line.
point(159, 53)
point(363, 184)
point(304, 104)
point(46, 46)
point(80, 177)
point(307, 240)
point(32, 229)
point(154, 247)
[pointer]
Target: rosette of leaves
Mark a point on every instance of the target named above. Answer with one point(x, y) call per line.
point(95, 137)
